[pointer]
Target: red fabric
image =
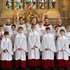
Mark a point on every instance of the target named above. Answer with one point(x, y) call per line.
point(20, 63)
point(34, 63)
point(47, 64)
point(63, 64)
point(6, 64)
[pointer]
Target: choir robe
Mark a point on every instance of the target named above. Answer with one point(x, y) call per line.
point(68, 36)
point(6, 57)
point(20, 55)
point(7, 27)
point(62, 56)
point(40, 30)
point(33, 49)
point(48, 55)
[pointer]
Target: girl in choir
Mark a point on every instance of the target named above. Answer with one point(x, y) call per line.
point(62, 51)
point(33, 48)
point(6, 56)
point(48, 49)
point(20, 49)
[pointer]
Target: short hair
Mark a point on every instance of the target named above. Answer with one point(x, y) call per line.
point(56, 26)
point(45, 17)
point(13, 25)
point(6, 33)
point(40, 22)
point(47, 28)
point(62, 30)
point(20, 28)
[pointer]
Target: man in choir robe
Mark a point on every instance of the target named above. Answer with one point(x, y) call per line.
point(7, 26)
point(59, 24)
point(47, 24)
point(13, 34)
point(20, 49)
point(6, 56)
point(62, 51)
point(33, 48)
point(68, 36)
point(48, 49)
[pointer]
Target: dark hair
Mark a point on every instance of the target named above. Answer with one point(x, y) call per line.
point(1, 25)
point(13, 26)
point(6, 33)
point(33, 26)
point(62, 30)
point(40, 22)
point(45, 17)
point(56, 26)
point(20, 28)
point(47, 28)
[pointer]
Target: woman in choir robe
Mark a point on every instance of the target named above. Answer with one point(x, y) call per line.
point(68, 36)
point(7, 52)
point(48, 49)
point(7, 26)
point(33, 48)
point(47, 24)
point(20, 49)
point(62, 51)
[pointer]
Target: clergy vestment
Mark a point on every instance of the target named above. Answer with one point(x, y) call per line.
point(20, 55)
point(48, 55)
point(33, 49)
point(6, 56)
point(62, 52)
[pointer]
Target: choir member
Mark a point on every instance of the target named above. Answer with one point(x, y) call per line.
point(34, 21)
point(20, 49)
point(62, 51)
point(59, 23)
point(40, 28)
point(1, 32)
point(48, 49)
point(33, 48)
point(13, 34)
point(6, 56)
point(68, 36)
point(7, 26)
point(47, 24)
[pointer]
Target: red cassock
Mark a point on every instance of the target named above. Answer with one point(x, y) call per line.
point(33, 49)
point(20, 49)
point(48, 55)
point(63, 56)
point(6, 56)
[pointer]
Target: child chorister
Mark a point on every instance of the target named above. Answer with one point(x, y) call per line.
point(68, 36)
point(6, 56)
point(48, 49)
point(20, 49)
point(33, 48)
point(62, 51)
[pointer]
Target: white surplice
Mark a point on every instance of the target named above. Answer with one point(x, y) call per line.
point(62, 43)
point(33, 40)
point(6, 44)
point(48, 42)
point(20, 42)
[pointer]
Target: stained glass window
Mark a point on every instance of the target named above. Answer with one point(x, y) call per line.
point(31, 4)
point(52, 3)
point(18, 4)
point(8, 4)
point(43, 4)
